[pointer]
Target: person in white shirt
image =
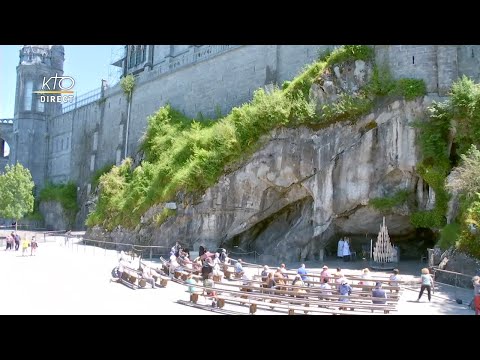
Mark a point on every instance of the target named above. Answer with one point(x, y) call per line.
point(340, 248)
point(147, 275)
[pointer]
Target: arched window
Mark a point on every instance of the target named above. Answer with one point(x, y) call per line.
point(27, 96)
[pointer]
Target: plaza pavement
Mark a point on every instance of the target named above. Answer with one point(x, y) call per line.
point(75, 279)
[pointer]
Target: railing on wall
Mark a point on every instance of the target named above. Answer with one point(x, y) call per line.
point(202, 53)
point(83, 100)
point(192, 56)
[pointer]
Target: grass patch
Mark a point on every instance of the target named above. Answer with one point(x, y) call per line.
point(387, 203)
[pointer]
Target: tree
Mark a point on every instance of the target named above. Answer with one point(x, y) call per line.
point(16, 192)
point(466, 177)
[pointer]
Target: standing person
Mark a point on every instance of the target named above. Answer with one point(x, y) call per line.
point(10, 242)
point(340, 248)
point(33, 246)
point(25, 244)
point(475, 304)
point(346, 250)
point(427, 283)
point(16, 237)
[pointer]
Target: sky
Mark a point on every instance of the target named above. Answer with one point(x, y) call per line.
point(87, 64)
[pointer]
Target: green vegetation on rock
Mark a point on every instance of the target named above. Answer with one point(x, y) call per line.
point(65, 194)
point(183, 154)
point(447, 137)
point(387, 203)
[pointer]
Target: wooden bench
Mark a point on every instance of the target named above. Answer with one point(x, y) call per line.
point(132, 278)
point(161, 280)
point(278, 296)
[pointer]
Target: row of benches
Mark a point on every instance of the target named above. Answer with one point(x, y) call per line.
point(133, 278)
point(291, 303)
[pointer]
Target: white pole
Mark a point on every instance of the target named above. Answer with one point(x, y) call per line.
point(371, 249)
point(128, 123)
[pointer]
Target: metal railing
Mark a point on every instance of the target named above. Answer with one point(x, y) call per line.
point(191, 57)
point(83, 100)
point(452, 278)
point(143, 251)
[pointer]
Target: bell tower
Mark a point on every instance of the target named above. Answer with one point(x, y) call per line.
point(37, 64)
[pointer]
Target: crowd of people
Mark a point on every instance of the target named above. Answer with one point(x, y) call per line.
point(14, 242)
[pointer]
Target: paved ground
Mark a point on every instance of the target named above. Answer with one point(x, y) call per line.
point(76, 280)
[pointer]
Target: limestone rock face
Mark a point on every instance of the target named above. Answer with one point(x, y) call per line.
point(304, 186)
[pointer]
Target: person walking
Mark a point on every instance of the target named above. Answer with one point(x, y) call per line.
point(33, 246)
point(426, 283)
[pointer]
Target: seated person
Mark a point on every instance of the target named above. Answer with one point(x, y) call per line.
point(270, 282)
point(191, 281)
point(247, 280)
point(302, 272)
point(394, 278)
point(345, 290)
point(326, 289)
point(324, 274)
point(279, 279)
point(209, 283)
point(283, 270)
point(238, 268)
point(223, 255)
point(217, 272)
point(148, 275)
point(264, 273)
point(366, 276)
point(197, 264)
point(174, 265)
point(187, 262)
point(298, 281)
point(379, 295)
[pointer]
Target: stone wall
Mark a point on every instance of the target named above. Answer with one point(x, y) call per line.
point(54, 216)
point(94, 135)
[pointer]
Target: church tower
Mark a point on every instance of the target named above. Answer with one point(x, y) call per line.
point(37, 64)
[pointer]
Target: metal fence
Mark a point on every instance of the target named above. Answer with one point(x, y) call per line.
point(83, 99)
point(143, 251)
point(452, 278)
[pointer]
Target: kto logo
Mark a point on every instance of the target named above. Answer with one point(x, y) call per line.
point(61, 85)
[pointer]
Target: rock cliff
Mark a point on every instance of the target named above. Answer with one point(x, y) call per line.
point(306, 186)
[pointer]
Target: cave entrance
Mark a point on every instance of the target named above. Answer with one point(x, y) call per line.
point(282, 235)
